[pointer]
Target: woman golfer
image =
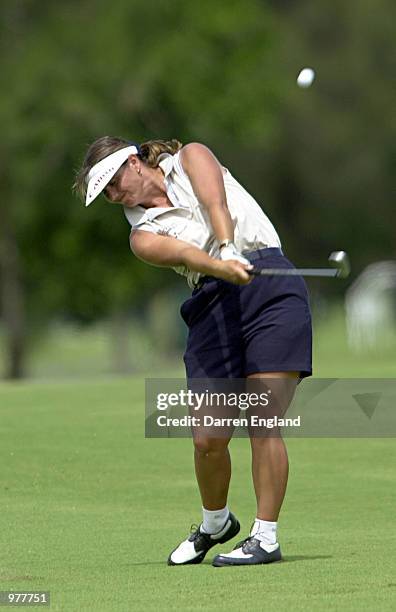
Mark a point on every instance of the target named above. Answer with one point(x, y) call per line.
point(187, 212)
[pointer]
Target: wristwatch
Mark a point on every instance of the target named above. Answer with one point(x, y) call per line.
point(225, 243)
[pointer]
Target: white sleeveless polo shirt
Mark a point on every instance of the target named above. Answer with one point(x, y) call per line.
point(189, 221)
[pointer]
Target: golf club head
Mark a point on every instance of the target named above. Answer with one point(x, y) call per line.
point(340, 261)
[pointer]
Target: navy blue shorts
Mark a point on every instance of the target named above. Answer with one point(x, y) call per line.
point(238, 330)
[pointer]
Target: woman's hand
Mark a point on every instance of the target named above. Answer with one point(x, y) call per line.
point(233, 271)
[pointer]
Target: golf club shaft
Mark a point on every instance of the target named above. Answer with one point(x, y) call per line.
point(294, 272)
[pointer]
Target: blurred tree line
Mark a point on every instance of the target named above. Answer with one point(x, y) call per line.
point(320, 161)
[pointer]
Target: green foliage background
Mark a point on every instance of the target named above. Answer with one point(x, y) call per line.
point(320, 161)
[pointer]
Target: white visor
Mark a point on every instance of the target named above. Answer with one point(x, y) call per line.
point(102, 172)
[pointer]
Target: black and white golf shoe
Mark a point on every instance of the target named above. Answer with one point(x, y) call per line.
point(249, 552)
point(194, 549)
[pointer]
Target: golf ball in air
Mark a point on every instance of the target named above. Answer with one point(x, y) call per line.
point(305, 78)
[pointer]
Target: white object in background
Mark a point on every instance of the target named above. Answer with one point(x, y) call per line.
point(306, 78)
point(370, 308)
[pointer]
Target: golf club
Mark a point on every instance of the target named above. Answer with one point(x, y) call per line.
point(338, 260)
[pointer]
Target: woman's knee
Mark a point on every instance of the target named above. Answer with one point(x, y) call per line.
point(207, 445)
point(264, 440)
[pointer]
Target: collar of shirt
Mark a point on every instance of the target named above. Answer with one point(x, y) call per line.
point(138, 215)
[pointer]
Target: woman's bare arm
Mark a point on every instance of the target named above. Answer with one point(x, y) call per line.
point(171, 252)
point(206, 176)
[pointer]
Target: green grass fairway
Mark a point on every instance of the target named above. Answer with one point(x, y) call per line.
point(90, 510)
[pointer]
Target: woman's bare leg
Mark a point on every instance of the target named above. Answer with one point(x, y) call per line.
point(270, 466)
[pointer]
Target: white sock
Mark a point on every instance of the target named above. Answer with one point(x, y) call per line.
point(265, 531)
point(214, 520)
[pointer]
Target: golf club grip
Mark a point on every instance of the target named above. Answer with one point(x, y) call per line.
point(294, 272)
